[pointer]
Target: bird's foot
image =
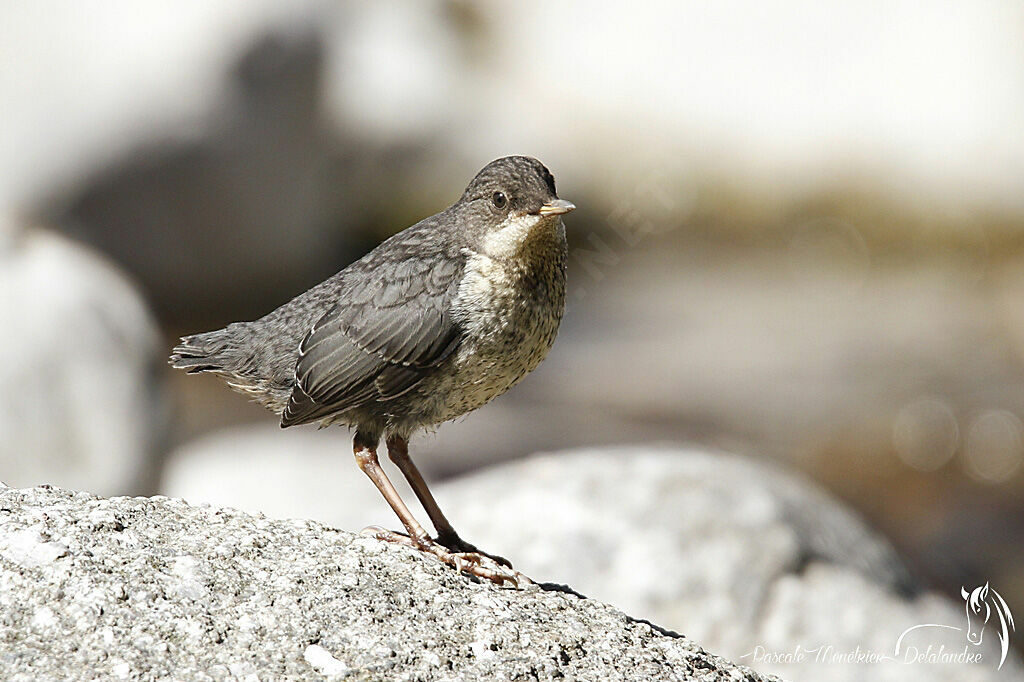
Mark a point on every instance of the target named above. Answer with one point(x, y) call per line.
point(457, 544)
point(472, 562)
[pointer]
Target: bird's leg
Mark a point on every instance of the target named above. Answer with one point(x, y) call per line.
point(398, 451)
point(473, 563)
point(366, 458)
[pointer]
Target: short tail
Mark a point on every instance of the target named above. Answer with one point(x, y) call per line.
point(238, 355)
point(206, 352)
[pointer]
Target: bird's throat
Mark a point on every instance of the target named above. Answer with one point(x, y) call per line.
point(525, 239)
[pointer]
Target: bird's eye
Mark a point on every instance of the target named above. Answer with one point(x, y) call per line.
point(499, 200)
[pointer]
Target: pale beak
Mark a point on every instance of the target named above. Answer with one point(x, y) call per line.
point(556, 207)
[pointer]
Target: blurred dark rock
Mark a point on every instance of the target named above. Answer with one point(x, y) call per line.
point(262, 201)
point(155, 589)
point(81, 401)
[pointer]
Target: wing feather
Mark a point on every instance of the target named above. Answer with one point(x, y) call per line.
point(389, 328)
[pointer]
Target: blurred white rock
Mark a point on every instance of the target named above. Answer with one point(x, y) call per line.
point(730, 551)
point(80, 402)
point(293, 473)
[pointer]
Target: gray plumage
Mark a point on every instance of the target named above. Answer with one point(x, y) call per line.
point(433, 323)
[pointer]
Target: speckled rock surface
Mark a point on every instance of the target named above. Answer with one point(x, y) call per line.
point(152, 588)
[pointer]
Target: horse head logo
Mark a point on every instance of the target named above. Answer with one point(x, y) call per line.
point(981, 603)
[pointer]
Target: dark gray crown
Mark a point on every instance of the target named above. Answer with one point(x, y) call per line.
point(525, 181)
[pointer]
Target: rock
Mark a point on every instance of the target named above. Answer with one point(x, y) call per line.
point(182, 592)
point(304, 473)
point(80, 400)
point(747, 559)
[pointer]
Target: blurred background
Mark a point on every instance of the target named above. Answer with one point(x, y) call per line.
point(800, 235)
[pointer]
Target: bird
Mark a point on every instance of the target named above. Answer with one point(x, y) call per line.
point(433, 323)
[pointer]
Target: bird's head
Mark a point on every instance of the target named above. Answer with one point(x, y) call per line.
point(509, 202)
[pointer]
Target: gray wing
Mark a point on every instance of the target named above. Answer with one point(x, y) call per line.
point(391, 326)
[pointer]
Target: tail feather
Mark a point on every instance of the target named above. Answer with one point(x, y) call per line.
point(253, 363)
point(202, 352)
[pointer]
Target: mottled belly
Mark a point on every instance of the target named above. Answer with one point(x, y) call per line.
point(485, 370)
point(510, 321)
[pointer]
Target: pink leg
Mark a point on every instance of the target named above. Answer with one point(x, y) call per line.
point(471, 562)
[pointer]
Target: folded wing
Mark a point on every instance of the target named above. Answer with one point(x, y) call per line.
point(390, 328)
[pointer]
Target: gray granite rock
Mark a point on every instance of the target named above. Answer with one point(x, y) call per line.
point(152, 588)
point(81, 402)
point(752, 561)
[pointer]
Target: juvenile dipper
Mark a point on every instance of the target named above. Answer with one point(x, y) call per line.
point(433, 323)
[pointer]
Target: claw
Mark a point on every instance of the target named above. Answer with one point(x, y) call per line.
point(457, 544)
point(475, 562)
